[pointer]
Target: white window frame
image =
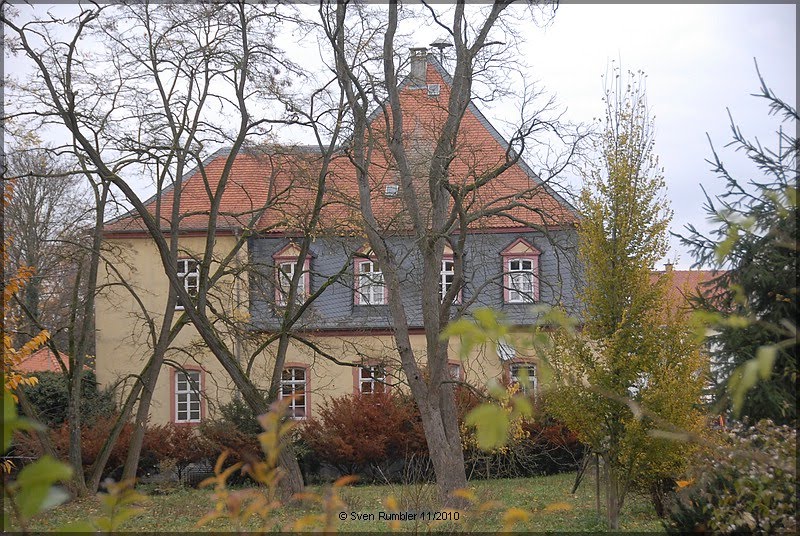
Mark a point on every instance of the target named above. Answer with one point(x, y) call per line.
point(521, 280)
point(444, 284)
point(296, 388)
point(189, 277)
point(285, 282)
point(513, 373)
point(376, 375)
point(192, 395)
point(370, 285)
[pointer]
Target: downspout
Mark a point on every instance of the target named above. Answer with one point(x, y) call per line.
point(237, 289)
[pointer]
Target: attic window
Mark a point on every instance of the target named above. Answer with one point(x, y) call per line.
point(433, 90)
point(392, 190)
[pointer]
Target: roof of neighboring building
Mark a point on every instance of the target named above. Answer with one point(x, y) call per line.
point(284, 179)
point(688, 283)
point(43, 360)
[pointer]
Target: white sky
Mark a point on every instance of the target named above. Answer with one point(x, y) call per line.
point(698, 60)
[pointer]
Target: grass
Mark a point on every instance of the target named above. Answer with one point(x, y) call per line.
point(179, 509)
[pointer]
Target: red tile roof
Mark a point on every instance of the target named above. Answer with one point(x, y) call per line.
point(284, 179)
point(42, 360)
point(687, 284)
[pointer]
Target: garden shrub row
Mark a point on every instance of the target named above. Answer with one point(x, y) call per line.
point(375, 436)
point(50, 397)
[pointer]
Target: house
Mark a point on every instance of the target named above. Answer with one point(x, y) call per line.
point(515, 257)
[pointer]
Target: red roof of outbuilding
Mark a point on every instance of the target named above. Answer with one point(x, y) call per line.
point(42, 360)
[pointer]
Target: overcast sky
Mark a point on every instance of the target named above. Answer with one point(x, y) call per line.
point(698, 60)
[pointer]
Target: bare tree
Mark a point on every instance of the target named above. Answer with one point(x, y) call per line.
point(446, 189)
point(177, 72)
point(48, 215)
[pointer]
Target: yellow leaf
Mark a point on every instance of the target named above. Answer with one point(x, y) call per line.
point(465, 494)
point(345, 480)
point(558, 507)
point(515, 515)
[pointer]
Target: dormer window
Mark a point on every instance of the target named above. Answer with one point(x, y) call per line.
point(370, 289)
point(447, 276)
point(520, 281)
point(368, 284)
point(286, 265)
point(520, 273)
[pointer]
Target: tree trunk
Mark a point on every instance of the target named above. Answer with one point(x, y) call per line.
point(447, 456)
point(74, 419)
point(142, 417)
point(597, 483)
point(29, 411)
point(96, 471)
point(612, 496)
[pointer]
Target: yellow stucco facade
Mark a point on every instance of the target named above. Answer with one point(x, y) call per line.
point(125, 341)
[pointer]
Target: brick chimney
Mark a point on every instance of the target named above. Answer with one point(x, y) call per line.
point(419, 67)
point(668, 267)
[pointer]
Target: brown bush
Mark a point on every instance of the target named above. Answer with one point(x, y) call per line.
point(178, 443)
point(92, 438)
point(363, 433)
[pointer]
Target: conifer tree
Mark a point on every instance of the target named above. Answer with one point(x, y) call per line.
point(755, 295)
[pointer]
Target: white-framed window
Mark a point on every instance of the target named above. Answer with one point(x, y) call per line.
point(370, 288)
point(520, 280)
point(446, 277)
point(517, 370)
point(189, 274)
point(187, 396)
point(286, 272)
point(294, 383)
point(371, 379)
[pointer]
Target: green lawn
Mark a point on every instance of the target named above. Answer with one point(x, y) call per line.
point(180, 508)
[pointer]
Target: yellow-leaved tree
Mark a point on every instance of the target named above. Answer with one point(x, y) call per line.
point(636, 367)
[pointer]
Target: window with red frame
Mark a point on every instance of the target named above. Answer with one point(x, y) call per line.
point(370, 288)
point(520, 280)
point(446, 277)
point(454, 371)
point(286, 271)
point(517, 370)
point(189, 274)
